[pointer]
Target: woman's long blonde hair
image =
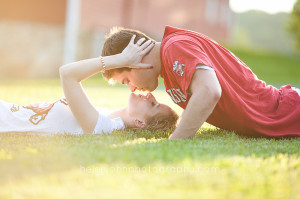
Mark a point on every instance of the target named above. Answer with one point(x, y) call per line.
point(163, 121)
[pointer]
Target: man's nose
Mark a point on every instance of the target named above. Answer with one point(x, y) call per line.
point(132, 88)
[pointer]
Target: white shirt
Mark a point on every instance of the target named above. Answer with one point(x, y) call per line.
point(50, 118)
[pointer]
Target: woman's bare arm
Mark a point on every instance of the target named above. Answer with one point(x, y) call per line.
point(72, 74)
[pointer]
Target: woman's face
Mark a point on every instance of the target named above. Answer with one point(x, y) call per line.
point(145, 106)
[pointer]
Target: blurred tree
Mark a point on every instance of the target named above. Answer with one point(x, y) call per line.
point(258, 29)
point(294, 25)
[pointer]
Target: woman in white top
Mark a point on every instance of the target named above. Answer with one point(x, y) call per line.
point(75, 113)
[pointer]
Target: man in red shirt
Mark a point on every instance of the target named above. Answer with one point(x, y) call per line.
point(210, 83)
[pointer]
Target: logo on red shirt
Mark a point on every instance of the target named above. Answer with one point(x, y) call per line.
point(176, 95)
point(178, 68)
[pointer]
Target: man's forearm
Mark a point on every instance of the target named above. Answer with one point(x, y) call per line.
point(196, 113)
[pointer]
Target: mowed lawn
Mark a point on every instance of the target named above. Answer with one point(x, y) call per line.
point(127, 164)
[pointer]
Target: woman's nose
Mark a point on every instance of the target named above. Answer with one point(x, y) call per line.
point(150, 96)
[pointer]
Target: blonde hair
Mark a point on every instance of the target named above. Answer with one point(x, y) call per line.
point(162, 121)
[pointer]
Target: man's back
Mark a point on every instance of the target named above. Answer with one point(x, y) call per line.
point(247, 105)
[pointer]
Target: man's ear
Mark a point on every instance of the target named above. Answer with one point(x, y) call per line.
point(139, 123)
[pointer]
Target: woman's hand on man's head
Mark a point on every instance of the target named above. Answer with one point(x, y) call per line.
point(133, 54)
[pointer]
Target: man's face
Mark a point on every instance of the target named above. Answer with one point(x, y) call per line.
point(138, 79)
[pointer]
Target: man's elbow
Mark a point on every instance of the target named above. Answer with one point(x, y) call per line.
point(216, 94)
point(212, 95)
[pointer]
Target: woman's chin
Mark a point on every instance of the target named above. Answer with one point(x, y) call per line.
point(132, 95)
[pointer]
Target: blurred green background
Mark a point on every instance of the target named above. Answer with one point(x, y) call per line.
point(37, 37)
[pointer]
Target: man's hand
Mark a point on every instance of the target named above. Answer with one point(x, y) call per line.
point(206, 92)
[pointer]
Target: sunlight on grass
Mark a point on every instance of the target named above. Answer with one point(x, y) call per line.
point(31, 150)
point(136, 142)
point(273, 177)
point(5, 155)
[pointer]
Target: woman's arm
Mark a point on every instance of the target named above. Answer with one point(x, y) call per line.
point(72, 74)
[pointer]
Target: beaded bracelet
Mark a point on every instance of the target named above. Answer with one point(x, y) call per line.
point(103, 64)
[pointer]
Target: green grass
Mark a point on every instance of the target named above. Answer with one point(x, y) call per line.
point(126, 164)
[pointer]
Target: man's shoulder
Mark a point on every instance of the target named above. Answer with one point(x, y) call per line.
point(178, 41)
point(174, 38)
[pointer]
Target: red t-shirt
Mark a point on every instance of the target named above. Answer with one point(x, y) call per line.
point(247, 105)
